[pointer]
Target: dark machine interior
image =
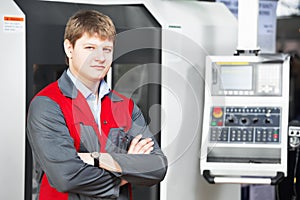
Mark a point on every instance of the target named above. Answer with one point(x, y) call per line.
point(45, 57)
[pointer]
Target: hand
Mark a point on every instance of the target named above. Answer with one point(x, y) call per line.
point(138, 146)
point(106, 161)
point(86, 157)
point(123, 182)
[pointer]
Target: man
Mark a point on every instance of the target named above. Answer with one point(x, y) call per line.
point(88, 141)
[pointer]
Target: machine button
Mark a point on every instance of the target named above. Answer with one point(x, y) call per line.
point(213, 134)
point(255, 120)
point(231, 120)
point(244, 121)
point(268, 121)
point(217, 112)
point(219, 134)
point(224, 134)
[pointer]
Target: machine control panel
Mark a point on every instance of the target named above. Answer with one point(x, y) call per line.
point(245, 117)
point(245, 124)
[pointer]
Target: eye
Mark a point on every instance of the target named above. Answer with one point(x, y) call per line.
point(89, 48)
point(107, 50)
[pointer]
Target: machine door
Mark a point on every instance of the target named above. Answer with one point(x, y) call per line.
point(138, 44)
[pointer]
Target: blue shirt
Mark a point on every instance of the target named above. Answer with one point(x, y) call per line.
point(90, 97)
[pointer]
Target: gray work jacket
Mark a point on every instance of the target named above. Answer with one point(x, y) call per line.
point(55, 155)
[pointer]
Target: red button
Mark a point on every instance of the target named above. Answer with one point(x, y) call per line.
point(220, 123)
point(217, 112)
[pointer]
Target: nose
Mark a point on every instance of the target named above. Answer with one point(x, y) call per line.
point(99, 56)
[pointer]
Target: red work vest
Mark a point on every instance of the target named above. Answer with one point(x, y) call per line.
point(114, 114)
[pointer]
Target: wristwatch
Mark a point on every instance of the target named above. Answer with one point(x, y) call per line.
point(96, 156)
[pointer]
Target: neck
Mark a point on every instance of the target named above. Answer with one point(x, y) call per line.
point(91, 85)
point(94, 87)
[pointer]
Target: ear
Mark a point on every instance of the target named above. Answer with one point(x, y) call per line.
point(68, 47)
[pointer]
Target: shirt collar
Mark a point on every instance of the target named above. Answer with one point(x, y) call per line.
point(86, 92)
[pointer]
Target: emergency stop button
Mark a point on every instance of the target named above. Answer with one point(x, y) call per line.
point(217, 112)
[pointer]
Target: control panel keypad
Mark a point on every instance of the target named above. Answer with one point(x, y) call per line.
point(241, 135)
point(245, 124)
point(219, 134)
point(267, 135)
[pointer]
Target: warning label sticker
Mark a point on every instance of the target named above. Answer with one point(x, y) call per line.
point(13, 24)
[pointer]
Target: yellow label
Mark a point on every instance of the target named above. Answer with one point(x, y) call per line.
point(232, 63)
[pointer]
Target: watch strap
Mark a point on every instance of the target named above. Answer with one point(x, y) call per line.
point(96, 157)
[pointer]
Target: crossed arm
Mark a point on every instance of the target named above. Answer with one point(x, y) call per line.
point(137, 146)
point(144, 163)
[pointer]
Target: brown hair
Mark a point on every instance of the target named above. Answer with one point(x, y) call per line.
point(90, 22)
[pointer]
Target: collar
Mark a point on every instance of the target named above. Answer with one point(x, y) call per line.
point(79, 85)
point(115, 97)
point(66, 86)
point(69, 89)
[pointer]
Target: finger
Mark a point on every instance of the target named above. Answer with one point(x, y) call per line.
point(123, 182)
point(141, 144)
point(144, 145)
point(147, 148)
point(133, 143)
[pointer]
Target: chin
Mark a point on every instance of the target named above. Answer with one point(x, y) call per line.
point(100, 77)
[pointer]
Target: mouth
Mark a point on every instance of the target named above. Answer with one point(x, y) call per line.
point(98, 67)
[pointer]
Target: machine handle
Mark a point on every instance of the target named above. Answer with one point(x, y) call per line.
point(246, 180)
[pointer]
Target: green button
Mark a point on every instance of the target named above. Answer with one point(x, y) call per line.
point(214, 123)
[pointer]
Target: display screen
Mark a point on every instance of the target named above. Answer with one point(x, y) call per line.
point(236, 77)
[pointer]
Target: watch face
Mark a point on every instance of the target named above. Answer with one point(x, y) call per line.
point(95, 155)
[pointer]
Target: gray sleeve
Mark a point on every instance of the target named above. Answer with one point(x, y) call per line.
point(142, 169)
point(53, 148)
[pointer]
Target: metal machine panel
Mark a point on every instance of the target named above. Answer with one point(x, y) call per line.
point(13, 107)
point(246, 117)
point(192, 31)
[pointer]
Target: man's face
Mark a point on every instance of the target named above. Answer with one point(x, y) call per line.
point(91, 58)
